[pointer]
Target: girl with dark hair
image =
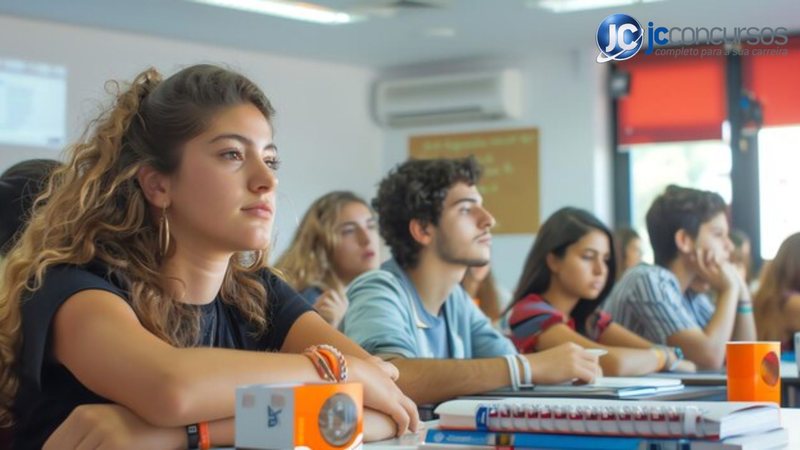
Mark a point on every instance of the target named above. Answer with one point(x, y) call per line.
point(567, 275)
point(139, 295)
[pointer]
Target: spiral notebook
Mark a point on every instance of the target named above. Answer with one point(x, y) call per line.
point(705, 420)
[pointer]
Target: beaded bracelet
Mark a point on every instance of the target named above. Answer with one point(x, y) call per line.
point(330, 363)
point(340, 365)
point(320, 363)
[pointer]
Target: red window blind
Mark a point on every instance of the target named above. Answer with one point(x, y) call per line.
point(775, 80)
point(672, 99)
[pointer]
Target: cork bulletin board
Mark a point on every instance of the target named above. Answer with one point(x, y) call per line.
point(510, 182)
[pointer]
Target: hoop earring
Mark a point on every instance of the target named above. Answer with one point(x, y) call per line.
point(257, 254)
point(163, 232)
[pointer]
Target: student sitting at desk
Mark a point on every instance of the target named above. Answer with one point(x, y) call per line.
point(628, 250)
point(20, 184)
point(415, 313)
point(336, 241)
point(138, 295)
point(567, 275)
point(688, 230)
point(777, 302)
point(480, 285)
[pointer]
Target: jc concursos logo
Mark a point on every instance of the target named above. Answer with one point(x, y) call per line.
point(619, 37)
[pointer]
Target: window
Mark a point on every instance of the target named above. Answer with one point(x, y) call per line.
point(686, 100)
point(772, 78)
point(779, 186)
point(33, 99)
point(698, 164)
point(671, 124)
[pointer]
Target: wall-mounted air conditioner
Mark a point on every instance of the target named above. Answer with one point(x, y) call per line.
point(448, 99)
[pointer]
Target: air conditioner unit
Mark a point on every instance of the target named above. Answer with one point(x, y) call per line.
point(448, 99)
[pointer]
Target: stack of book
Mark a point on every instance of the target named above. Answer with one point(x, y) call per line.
point(560, 423)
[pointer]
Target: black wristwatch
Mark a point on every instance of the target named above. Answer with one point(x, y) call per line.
point(193, 436)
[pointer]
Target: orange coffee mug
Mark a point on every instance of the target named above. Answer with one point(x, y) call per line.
point(754, 371)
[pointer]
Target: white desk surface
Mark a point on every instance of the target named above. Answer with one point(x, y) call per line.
point(790, 418)
point(788, 373)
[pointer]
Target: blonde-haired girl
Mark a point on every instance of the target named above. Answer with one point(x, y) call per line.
point(336, 241)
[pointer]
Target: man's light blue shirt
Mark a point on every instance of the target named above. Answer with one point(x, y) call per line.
point(385, 316)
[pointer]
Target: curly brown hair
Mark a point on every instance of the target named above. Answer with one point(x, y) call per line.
point(416, 189)
point(94, 210)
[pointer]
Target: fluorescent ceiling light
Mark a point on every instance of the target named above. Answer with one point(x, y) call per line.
point(565, 6)
point(306, 12)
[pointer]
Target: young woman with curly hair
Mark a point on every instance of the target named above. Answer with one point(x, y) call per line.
point(140, 288)
point(337, 240)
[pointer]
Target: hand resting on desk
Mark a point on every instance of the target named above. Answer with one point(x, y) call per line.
point(114, 427)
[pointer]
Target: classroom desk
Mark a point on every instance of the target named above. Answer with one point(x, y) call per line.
point(790, 381)
point(789, 375)
point(790, 419)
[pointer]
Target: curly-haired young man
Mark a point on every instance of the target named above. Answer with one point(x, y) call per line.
point(688, 230)
point(414, 313)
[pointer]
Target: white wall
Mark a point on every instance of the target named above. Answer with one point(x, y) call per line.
point(563, 97)
point(323, 130)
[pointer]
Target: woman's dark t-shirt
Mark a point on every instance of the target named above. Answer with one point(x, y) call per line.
point(48, 392)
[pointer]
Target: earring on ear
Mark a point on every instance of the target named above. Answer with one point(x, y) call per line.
point(163, 232)
point(257, 255)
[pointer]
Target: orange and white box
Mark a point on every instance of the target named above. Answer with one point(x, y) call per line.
point(299, 416)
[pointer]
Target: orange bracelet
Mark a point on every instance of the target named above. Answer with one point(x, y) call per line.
point(329, 362)
point(340, 363)
point(205, 439)
point(320, 363)
point(332, 362)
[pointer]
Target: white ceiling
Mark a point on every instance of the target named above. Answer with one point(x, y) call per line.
point(482, 28)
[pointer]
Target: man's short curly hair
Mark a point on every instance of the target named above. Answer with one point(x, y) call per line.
point(675, 209)
point(416, 189)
